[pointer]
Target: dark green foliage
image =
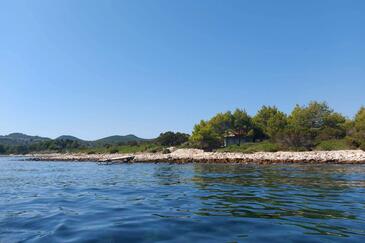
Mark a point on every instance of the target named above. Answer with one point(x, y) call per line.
point(18, 149)
point(242, 125)
point(118, 140)
point(334, 144)
point(68, 137)
point(295, 137)
point(270, 121)
point(305, 128)
point(18, 143)
point(312, 127)
point(14, 139)
point(130, 143)
point(210, 134)
point(113, 150)
point(154, 149)
point(205, 137)
point(309, 125)
point(2, 149)
point(172, 139)
point(356, 130)
point(55, 146)
point(362, 146)
point(252, 147)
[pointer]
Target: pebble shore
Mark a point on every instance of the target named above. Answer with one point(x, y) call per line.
point(199, 156)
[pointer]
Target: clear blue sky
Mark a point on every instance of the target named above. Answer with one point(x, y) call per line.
point(98, 68)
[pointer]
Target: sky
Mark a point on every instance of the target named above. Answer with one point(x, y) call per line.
point(97, 68)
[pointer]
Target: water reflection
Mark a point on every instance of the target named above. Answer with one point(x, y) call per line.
point(47, 202)
point(313, 197)
point(169, 174)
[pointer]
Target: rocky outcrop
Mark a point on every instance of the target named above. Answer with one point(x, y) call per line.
point(199, 156)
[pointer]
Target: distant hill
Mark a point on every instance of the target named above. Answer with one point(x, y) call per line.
point(119, 139)
point(23, 139)
point(73, 138)
point(69, 137)
point(20, 139)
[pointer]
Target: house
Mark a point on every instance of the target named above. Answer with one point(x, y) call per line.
point(233, 139)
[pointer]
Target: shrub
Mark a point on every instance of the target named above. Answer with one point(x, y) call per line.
point(2, 149)
point(132, 143)
point(252, 147)
point(269, 147)
point(235, 148)
point(154, 150)
point(352, 142)
point(296, 149)
point(172, 139)
point(166, 151)
point(113, 151)
point(362, 146)
point(263, 147)
point(91, 152)
point(334, 144)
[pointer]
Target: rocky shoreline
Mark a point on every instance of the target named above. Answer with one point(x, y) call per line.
point(199, 156)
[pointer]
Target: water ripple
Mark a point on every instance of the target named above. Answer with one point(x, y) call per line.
point(82, 202)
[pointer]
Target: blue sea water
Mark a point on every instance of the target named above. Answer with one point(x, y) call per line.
point(86, 202)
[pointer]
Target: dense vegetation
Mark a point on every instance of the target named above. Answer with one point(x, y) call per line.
point(114, 144)
point(312, 127)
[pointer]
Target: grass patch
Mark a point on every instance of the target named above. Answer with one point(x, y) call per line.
point(335, 144)
point(252, 148)
point(123, 149)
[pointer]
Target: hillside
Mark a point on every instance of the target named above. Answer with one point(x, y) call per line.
point(14, 139)
point(69, 137)
point(21, 139)
point(119, 139)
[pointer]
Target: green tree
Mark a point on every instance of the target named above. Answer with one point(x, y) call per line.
point(242, 125)
point(172, 139)
point(309, 124)
point(334, 127)
point(310, 117)
point(270, 121)
point(360, 120)
point(210, 134)
point(205, 137)
point(221, 123)
point(356, 130)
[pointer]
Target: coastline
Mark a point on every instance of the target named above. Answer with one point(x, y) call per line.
point(199, 156)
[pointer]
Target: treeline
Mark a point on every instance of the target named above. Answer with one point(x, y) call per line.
point(44, 146)
point(164, 140)
point(304, 128)
point(309, 127)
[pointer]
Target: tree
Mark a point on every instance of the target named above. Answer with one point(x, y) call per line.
point(210, 134)
point(311, 116)
point(356, 130)
point(205, 137)
point(221, 123)
point(360, 120)
point(270, 121)
point(334, 127)
point(295, 137)
point(242, 125)
point(172, 139)
point(304, 128)
point(309, 124)
point(2, 149)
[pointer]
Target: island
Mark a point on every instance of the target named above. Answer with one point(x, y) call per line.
point(313, 133)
